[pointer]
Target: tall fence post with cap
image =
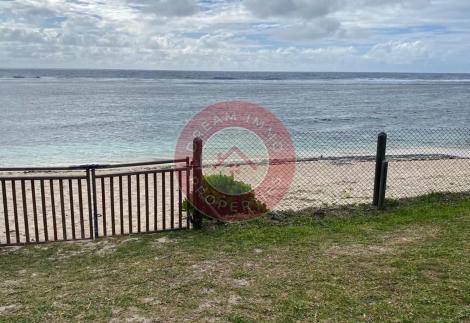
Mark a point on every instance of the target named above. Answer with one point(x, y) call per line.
point(197, 183)
point(380, 159)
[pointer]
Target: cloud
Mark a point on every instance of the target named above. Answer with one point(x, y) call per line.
point(399, 53)
point(308, 20)
point(302, 35)
point(24, 35)
point(171, 8)
point(291, 8)
point(308, 9)
point(307, 31)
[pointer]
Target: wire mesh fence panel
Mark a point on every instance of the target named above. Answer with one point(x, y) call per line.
point(424, 161)
point(330, 167)
point(338, 168)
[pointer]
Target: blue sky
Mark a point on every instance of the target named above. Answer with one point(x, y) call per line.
point(261, 35)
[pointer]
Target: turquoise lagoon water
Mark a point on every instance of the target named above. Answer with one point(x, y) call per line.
point(61, 117)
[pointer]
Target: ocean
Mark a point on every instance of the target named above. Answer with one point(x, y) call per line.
point(63, 117)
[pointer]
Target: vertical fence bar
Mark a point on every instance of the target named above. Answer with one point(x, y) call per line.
point(111, 193)
point(380, 157)
point(188, 174)
point(129, 201)
point(54, 214)
point(15, 212)
point(6, 232)
point(4, 217)
point(180, 200)
point(147, 214)
point(155, 200)
point(44, 212)
point(80, 205)
point(172, 199)
point(62, 209)
point(25, 210)
point(5, 211)
point(383, 185)
point(72, 211)
point(121, 206)
point(138, 202)
point(103, 206)
point(90, 201)
point(35, 211)
point(163, 202)
point(95, 203)
point(197, 183)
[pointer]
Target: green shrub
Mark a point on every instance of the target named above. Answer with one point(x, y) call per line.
point(229, 197)
point(227, 184)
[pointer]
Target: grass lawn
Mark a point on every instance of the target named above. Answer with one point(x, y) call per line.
point(409, 263)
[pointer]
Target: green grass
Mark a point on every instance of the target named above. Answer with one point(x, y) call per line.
point(408, 263)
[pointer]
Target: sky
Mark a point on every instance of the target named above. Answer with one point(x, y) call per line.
point(256, 35)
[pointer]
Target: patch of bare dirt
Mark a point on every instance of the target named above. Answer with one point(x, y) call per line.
point(131, 314)
point(100, 248)
point(163, 240)
point(411, 235)
point(9, 309)
point(357, 250)
point(7, 250)
point(391, 242)
point(151, 301)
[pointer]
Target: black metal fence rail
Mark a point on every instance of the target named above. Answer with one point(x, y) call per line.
point(45, 204)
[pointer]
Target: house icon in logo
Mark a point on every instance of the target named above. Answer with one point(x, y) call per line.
point(235, 166)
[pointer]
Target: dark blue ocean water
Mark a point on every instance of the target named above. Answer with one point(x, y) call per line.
point(88, 116)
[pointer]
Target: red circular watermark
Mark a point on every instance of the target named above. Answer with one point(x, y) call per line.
point(248, 160)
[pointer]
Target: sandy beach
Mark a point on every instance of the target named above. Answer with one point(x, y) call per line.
point(316, 184)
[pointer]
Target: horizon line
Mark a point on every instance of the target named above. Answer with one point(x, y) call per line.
point(218, 71)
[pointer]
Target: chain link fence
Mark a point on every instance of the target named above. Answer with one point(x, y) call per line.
point(423, 161)
point(338, 167)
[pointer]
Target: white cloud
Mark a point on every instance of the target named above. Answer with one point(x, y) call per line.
point(308, 9)
point(292, 8)
point(311, 30)
point(170, 8)
point(250, 34)
point(397, 52)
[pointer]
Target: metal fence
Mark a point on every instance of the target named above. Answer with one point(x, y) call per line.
point(424, 161)
point(85, 202)
point(339, 167)
point(331, 168)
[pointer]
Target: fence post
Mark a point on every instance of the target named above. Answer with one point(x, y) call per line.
point(95, 203)
point(383, 185)
point(90, 201)
point(197, 183)
point(380, 158)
